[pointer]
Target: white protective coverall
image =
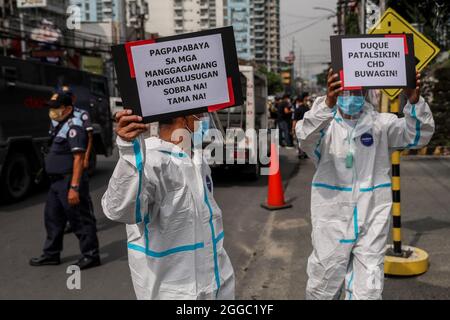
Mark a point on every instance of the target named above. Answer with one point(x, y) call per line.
point(350, 207)
point(174, 225)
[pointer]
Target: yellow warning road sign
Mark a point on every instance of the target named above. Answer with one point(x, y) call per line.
point(424, 49)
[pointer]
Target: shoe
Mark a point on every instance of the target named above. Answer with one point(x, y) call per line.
point(44, 261)
point(88, 262)
point(289, 147)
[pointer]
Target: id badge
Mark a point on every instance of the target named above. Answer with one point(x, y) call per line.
point(349, 160)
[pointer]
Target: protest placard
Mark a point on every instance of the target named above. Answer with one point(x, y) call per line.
point(374, 61)
point(179, 75)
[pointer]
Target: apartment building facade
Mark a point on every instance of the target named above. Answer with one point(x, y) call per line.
point(99, 10)
point(257, 30)
point(170, 17)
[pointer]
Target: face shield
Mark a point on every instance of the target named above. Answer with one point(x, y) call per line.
point(203, 123)
point(351, 102)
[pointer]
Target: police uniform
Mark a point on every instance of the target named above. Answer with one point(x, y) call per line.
point(83, 115)
point(67, 138)
point(85, 119)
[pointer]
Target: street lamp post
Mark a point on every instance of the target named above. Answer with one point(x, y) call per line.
point(334, 13)
point(325, 9)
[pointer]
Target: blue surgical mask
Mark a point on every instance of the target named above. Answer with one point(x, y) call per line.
point(201, 131)
point(204, 125)
point(351, 105)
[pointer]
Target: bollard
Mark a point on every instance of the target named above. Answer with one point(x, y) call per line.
point(401, 260)
point(396, 217)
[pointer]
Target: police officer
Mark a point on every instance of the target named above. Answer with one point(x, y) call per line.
point(300, 108)
point(85, 119)
point(83, 115)
point(68, 197)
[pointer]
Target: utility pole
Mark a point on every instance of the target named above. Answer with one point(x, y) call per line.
point(140, 11)
point(293, 62)
point(382, 7)
point(300, 69)
point(339, 17)
point(22, 36)
point(363, 17)
point(122, 20)
point(2, 24)
point(142, 26)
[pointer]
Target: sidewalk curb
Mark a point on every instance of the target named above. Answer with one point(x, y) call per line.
point(420, 157)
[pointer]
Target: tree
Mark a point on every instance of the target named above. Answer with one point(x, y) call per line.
point(322, 78)
point(440, 105)
point(274, 82)
point(351, 24)
point(432, 16)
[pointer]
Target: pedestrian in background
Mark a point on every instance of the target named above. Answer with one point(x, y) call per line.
point(284, 121)
point(275, 115)
point(272, 108)
point(68, 196)
point(351, 199)
point(300, 108)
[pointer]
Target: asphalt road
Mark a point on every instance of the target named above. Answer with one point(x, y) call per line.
point(268, 250)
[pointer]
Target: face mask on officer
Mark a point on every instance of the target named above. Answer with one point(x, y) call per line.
point(351, 102)
point(60, 107)
point(57, 114)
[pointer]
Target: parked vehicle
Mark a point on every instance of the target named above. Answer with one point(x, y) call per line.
point(252, 114)
point(25, 86)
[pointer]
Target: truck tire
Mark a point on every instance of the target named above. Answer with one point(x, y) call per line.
point(16, 180)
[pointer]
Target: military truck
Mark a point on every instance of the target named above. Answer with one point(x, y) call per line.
point(25, 86)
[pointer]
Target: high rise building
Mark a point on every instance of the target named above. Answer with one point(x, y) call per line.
point(98, 10)
point(170, 17)
point(239, 15)
point(28, 29)
point(54, 11)
point(257, 30)
point(272, 35)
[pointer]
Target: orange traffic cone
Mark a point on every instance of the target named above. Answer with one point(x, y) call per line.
point(275, 194)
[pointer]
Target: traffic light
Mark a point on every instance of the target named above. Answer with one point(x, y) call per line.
point(286, 77)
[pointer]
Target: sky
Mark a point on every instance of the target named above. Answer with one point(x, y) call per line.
point(312, 44)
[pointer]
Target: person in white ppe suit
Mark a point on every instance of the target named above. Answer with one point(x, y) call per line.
point(173, 223)
point(351, 196)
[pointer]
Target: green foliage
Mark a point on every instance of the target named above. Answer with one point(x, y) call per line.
point(274, 82)
point(322, 78)
point(432, 15)
point(440, 106)
point(351, 24)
